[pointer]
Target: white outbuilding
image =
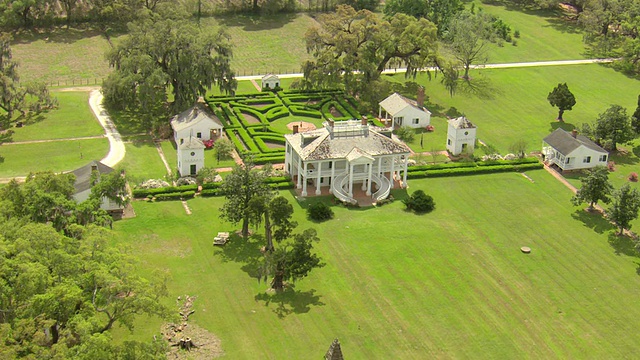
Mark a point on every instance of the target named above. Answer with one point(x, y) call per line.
point(197, 122)
point(571, 151)
point(270, 81)
point(190, 156)
point(461, 136)
point(402, 111)
point(86, 176)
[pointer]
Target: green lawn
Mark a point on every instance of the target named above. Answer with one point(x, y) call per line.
point(453, 284)
point(142, 161)
point(58, 156)
point(73, 118)
point(511, 104)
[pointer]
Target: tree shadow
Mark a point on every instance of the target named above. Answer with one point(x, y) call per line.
point(257, 22)
point(557, 18)
point(626, 159)
point(290, 301)
point(55, 35)
point(480, 87)
point(622, 244)
point(593, 220)
point(246, 252)
point(561, 125)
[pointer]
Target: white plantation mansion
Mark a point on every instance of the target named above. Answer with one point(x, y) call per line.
point(345, 157)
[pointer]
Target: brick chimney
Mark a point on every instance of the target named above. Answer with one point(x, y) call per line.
point(331, 123)
point(365, 121)
point(420, 96)
point(574, 133)
point(295, 129)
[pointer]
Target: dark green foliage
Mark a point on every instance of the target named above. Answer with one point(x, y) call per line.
point(635, 118)
point(474, 170)
point(419, 202)
point(614, 127)
point(142, 193)
point(319, 211)
point(624, 207)
point(438, 12)
point(175, 196)
point(406, 133)
point(209, 192)
point(562, 98)
point(595, 187)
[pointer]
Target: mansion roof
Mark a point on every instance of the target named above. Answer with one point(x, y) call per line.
point(565, 142)
point(192, 116)
point(340, 140)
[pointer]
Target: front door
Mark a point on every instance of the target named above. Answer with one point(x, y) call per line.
point(193, 169)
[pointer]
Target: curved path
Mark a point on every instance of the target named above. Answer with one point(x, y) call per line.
point(116, 146)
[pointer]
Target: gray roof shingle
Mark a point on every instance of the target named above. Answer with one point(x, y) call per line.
point(83, 174)
point(565, 143)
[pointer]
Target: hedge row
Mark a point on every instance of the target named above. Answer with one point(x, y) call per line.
point(473, 170)
point(283, 185)
point(269, 158)
point(351, 110)
point(209, 192)
point(234, 121)
point(211, 185)
point(299, 110)
point(326, 111)
point(277, 113)
point(260, 142)
point(143, 193)
point(175, 196)
point(527, 160)
point(449, 165)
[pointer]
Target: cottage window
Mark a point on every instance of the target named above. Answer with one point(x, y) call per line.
point(587, 159)
point(568, 160)
point(399, 120)
point(448, 141)
point(199, 135)
point(602, 158)
point(416, 121)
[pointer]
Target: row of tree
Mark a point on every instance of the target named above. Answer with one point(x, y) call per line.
point(625, 202)
point(62, 284)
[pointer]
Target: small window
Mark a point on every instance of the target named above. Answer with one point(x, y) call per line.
point(330, 165)
point(603, 158)
point(448, 141)
point(181, 141)
point(416, 121)
point(199, 135)
point(586, 160)
point(568, 160)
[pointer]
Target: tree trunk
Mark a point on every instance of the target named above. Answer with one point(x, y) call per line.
point(108, 326)
point(278, 281)
point(55, 335)
point(245, 227)
point(466, 71)
point(560, 112)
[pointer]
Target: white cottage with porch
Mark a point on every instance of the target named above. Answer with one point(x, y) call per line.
point(461, 136)
point(270, 81)
point(345, 158)
point(402, 111)
point(571, 151)
point(190, 156)
point(197, 122)
point(85, 176)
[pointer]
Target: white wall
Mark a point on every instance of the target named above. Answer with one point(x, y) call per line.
point(409, 113)
point(578, 159)
point(185, 160)
point(202, 127)
point(271, 82)
point(457, 137)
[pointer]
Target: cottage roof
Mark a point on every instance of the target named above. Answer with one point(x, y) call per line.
point(270, 77)
point(565, 143)
point(194, 115)
point(346, 137)
point(461, 123)
point(395, 103)
point(192, 143)
point(83, 174)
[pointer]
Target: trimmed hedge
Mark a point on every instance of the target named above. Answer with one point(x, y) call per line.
point(209, 192)
point(528, 160)
point(175, 196)
point(143, 193)
point(283, 185)
point(299, 110)
point(211, 185)
point(441, 166)
point(277, 113)
point(277, 179)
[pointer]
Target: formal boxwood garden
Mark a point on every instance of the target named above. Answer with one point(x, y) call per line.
point(248, 118)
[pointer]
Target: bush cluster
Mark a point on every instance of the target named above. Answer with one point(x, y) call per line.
point(419, 202)
point(143, 193)
point(319, 212)
point(175, 196)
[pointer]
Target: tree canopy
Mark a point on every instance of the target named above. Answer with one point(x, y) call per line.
point(562, 98)
point(595, 187)
point(624, 207)
point(166, 51)
point(635, 118)
point(614, 127)
point(351, 48)
point(439, 12)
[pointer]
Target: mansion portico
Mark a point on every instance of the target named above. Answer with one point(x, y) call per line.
point(344, 155)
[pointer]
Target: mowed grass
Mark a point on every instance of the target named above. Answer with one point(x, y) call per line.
point(142, 161)
point(73, 118)
point(508, 105)
point(61, 55)
point(544, 35)
point(450, 284)
point(21, 159)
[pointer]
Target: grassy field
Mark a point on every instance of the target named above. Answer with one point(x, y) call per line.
point(72, 119)
point(454, 284)
point(142, 160)
point(511, 104)
point(57, 156)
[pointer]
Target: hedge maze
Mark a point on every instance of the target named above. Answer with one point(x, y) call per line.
point(247, 118)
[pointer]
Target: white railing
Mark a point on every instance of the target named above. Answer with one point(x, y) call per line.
point(338, 190)
point(384, 187)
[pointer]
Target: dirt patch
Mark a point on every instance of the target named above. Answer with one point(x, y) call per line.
point(250, 118)
point(272, 145)
point(302, 126)
point(261, 105)
point(80, 88)
point(334, 112)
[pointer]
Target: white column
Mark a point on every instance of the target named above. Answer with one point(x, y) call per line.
point(333, 172)
point(404, 175)
point(298, 172)
point(287, 157)
point(379, 111)
point(318, 178)
point(369, 180)
point(304, 182)
point(380, 172)
point(350, 180)
point(393, 169)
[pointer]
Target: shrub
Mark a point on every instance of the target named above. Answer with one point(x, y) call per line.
point(209, 192)
point(406, 133)
point(516, 34)
point(419, 202)
point(319, 212)
point(633, 177)
point(611, 165)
